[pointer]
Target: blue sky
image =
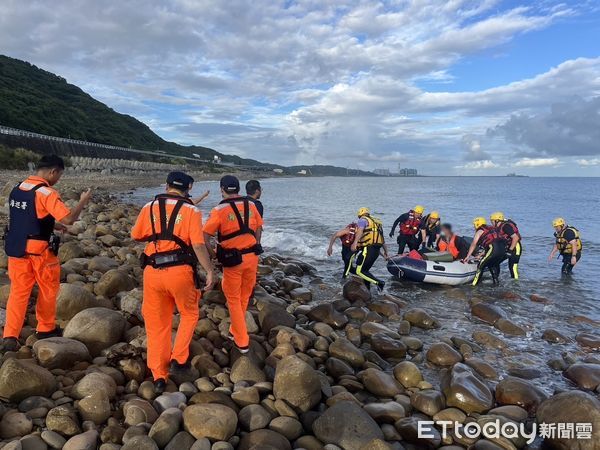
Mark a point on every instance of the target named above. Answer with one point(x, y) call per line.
point(449, 87)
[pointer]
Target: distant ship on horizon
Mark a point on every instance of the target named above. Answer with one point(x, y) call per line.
point(516, 175)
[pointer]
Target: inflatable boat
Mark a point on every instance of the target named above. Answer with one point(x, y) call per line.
point(436, 268)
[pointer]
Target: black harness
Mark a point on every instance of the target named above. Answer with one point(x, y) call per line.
point(185, 255)
point(230, 257)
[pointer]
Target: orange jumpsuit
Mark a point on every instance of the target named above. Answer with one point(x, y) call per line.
point(239, 281)
point(166, 287)
point(39, 266)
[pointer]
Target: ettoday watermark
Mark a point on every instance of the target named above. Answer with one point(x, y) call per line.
point(509, 430)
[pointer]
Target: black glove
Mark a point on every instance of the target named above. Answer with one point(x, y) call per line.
point(391, 234)
point(259, 249)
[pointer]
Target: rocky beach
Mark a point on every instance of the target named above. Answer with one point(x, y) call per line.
point(329, 367)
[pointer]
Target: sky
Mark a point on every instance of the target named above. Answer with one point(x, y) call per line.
point(449, 87)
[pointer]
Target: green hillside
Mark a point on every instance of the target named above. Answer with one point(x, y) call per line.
point(35, 100)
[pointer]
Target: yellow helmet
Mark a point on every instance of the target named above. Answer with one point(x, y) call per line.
point(419, 209)
point(497, 216)
point(363, 212)
point(479, 221)
point(434, 215)
point(558, 222)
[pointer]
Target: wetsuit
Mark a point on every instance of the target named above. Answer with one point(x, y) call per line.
point(368, 251)
point(494, 248)
point(563, 238)
point(507, 230)
point(409, 231)
point(432, 232)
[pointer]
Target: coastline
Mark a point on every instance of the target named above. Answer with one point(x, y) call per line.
point(326, 367)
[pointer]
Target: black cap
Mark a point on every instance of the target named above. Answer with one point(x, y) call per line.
point(230, 184)
point(179, 180)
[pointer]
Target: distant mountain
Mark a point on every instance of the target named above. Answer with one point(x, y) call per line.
point(35, 100)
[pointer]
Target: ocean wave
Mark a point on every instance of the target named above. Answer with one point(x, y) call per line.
point(295, 243)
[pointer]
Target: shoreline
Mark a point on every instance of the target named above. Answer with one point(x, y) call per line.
point(327, 366)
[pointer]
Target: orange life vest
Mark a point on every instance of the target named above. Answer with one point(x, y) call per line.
point(449, 246)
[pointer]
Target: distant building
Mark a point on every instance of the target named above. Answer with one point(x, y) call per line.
point(383, 172)
point(404, 172)
point(278, 170)
point(302, 172)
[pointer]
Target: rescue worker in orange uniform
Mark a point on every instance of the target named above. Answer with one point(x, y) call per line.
point(172, 227)
point(35, 211)
point(237, 224)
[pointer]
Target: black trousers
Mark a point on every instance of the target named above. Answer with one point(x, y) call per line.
point(412, 241)
point(567, 267)
point(347, 258)
point(365, 258)
point(513, 260)
point(494, 255)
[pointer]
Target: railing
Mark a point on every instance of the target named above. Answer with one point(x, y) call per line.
point(24, 133)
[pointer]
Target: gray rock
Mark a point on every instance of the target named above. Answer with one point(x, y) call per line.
point(166, 426)
point(212, 421)
point(84, 441)
point(60, 352)
point(20, 379)
point(181, 441)
point(245, 369)
point(73, 298)
point(346, 425)
point(63, 419)
point(465, 391)
point(139, 411)
point(97, 328)
point(140, 443)
point(254, 417)
point(356, 291)
point(15, 424)
point(53, 439)
point(95, 407)
point(264, 439)
point(92, 382)
point(113, 282)
point(297, 383)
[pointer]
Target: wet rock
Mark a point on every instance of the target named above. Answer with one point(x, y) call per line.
point(273, 316)
point(297, 383)
point(73, 298)
point(338, 368)
point(408, 374)
point(510, 328)
point(346, 425)
point(97, 328)
point(573, 407)
point(428, 401)
point(514, 391)
point(301, 295)
point(264, 439)
point(60, 352)
point(212, 421)
point(326, 313)
point(488, 340)
point(487, 313)
point(15, 424)
point(63, 419)
point(95, 407)
point(20, 379)
point(389, 412)
point(113, 282)
point(588, 340)
point(453, 415)
point(380, 383)
point(465, 391)
point(586, 376)
point(346, 351)
point(441, 354)
point(254, 417)
point(527, 373)
point(165, 427)
point(420, 318)
point(356, 291)
point(511, 412)
point(409, 430)
point(84, 441)
point(92, 382)
point(554, 336)
point(388, 347)
point(482, 367)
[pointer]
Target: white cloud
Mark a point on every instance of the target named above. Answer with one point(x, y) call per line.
point(589, 162)
point(307, 82)
point(537, 162)
point(479, 165)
